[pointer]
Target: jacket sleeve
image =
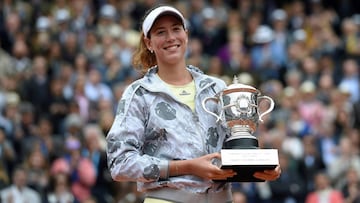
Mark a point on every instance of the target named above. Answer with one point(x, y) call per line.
point(125, 140)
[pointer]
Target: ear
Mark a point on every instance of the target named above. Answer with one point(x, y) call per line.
point(147, 42)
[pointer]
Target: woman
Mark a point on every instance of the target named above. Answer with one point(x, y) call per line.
point(324, 192)
point(161, 136)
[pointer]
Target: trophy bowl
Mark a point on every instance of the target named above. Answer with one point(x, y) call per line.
point(238, 110)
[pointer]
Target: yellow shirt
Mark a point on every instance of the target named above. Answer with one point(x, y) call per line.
point(184, 93)
point(154, 200)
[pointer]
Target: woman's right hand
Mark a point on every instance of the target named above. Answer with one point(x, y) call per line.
point(206, 168)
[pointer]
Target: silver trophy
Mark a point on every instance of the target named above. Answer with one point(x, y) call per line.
point(238, 109)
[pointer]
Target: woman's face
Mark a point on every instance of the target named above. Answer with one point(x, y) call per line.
point(168, 39)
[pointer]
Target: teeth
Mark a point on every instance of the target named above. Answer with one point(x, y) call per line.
point(173, 47)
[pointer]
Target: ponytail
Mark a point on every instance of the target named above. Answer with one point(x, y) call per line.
point(142, 58)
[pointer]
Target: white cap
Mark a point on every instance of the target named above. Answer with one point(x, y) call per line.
point(208, 13)
point(299, 35)
point(42, 23)
point(62, 15)
point(263, 34)
point(278, 14)
point(108, 11)
point(154, 14)
point(307, 87)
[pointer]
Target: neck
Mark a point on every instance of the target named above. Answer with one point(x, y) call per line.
point(175, 75)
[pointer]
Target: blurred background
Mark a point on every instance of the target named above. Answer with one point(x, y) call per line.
point(64, 65)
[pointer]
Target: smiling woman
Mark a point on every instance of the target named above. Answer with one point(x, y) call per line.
point(164, 42)
point(161, 137)
point(167, 39)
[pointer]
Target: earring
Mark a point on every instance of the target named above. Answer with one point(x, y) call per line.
point(151, 51)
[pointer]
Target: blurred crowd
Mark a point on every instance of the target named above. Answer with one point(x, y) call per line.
point(64, 65)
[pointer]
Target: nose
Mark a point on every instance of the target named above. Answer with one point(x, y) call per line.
point(170, 36)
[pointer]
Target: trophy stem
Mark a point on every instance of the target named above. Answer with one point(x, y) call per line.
point(241, 138)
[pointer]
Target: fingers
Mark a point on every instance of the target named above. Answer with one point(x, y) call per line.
point(264, 176)
point(223, 174)
point(269, 175)
point(214, 155)
point(215, 159)
point(278, 170)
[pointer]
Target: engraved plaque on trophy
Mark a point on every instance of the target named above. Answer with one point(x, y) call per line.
point(238, 110)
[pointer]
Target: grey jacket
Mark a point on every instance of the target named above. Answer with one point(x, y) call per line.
point(152, 127)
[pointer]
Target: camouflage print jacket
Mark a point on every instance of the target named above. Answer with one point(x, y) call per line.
point(152, 127)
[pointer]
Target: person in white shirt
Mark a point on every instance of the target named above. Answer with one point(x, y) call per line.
point(19, 192)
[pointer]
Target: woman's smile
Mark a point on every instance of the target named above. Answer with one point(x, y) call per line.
point(172, 47)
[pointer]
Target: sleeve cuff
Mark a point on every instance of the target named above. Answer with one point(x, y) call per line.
point(164, 169)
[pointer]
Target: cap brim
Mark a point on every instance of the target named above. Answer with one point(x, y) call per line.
point(156, 13)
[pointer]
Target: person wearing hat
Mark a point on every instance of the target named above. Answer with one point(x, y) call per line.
point(107, 23)
point(161, 136)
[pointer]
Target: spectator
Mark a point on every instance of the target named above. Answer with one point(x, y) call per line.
point(351, 79)
point(58, 105)
point(70, 47)
point(50, 144)
point(10, 113)
point(11, 29)
point(55, 59)
point(7, 154)
point(326, 86)
point(297, 15)
point(80, 99)
point(239, 197)
point(37, 167)
point(212, 33)
point(95, 89)
point(310, 69)
point(59, 189)
point(311, 163)
point(94, 149)
point(351, 186)
point(91, 47)
point(264, 54)
point(324, 191)
point(6, 63)
point(350, 37)
point(355, 114)
point(310, 109)
point(107, 20)
point(295, 186)
point(347, 158)
point(4, 177)
point(195, 54)
point(73, 125)
point(18, 191)
point(21, 60)
point(41, 41)
point(80, 169)
point(232, 54)
point(39, 80)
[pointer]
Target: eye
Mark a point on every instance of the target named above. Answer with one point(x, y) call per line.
point(159, 31)
point(177, 28)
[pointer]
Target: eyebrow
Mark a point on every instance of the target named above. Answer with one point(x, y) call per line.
point(163, 27)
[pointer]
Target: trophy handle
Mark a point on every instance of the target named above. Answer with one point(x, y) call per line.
point(204, 107)
point(272, 104)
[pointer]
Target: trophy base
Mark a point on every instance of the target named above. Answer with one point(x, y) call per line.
point(248, 161)
point(242, 143)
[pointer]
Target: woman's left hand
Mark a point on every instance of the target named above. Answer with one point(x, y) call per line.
point(269, 174)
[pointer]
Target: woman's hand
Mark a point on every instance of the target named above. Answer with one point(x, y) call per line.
point(206, 168)
point(269, 174)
